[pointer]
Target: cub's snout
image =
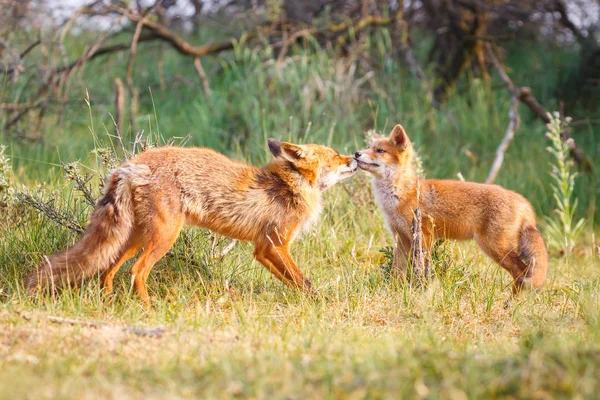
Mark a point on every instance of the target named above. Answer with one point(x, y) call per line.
point(364, 160)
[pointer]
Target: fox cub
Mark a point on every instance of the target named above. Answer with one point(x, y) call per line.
point(501, 221)
point(148, 200)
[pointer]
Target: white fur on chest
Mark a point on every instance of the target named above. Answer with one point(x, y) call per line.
point(310, 221)
point(387, 197)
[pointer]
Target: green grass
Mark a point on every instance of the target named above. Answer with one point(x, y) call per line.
point(230, 328)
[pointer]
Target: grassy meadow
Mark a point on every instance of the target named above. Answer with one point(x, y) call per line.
point(223, 327)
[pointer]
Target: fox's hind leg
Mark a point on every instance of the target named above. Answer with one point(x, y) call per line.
point(131, 249)
point(163, 236)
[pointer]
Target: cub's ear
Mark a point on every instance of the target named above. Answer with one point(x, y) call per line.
point(274, 147)
point(292, 152)
point(399, 137)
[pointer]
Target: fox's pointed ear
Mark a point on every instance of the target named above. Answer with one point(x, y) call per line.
point(292, 152)
point(399, 137)
point(274, 147)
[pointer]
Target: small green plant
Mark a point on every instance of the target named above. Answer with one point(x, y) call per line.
point(388, 260)
point(562, 229)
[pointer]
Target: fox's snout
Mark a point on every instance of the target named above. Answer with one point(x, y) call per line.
point(350, 163)
point(363, 156)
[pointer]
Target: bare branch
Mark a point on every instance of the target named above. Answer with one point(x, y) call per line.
point(178, 43)
point(81, 182)
point(49, 210)
point(500, 69)
point(29, 48)
point(103, 51)
point(133, 101)
point(513, 116)
point(513, 125)
point(17, 106)
point(119, 108)
point(343, 31)
point(17, 61)
point(525, 95)
point(202, 75)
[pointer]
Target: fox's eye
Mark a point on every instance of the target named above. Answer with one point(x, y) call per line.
point(380, 150)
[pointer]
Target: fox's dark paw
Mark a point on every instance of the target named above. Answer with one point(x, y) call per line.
point(307, 288)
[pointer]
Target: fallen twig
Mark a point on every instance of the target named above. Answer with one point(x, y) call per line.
point(59, 320)
point(152, 332)
point(228, 248)
point(23, 315)
point(222, 253)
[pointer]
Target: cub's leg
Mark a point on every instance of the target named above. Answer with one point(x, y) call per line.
point(505, 252)
point(402, 247)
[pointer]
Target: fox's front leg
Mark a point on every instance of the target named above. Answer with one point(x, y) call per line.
point(277, 259)
point(402, 246)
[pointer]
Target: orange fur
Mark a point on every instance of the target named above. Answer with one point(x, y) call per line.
point(150, 198)
point(501, 221)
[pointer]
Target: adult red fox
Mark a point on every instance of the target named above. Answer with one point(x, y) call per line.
point(148, 200)
point(501, 221)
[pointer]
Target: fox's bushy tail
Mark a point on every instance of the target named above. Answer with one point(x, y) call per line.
point(533, 252)
point(109, 229)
